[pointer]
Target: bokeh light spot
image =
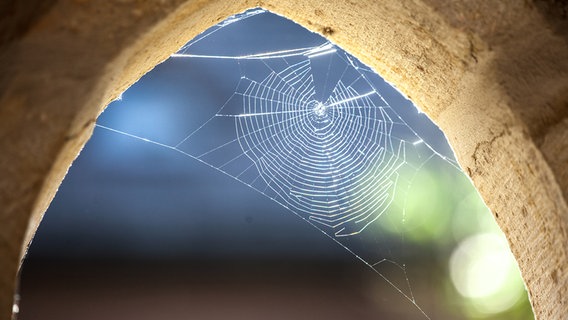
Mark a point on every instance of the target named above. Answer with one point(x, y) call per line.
point(483, 270)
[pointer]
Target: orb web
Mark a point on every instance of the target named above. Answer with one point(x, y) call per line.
point(310, 128)
point(314, 154)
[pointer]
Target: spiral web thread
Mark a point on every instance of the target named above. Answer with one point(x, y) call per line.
point(331, 154)
point(313, 155)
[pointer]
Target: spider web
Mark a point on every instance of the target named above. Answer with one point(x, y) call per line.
point(311, 129)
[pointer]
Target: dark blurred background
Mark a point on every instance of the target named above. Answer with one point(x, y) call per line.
point(139, 231)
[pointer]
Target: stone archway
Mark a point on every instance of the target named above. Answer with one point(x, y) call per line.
point(493, 76)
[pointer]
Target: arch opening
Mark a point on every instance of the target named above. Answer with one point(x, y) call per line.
point(468, 94)
point(259, 104)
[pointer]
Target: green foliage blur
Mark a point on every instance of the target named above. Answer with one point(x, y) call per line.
point(439, 211)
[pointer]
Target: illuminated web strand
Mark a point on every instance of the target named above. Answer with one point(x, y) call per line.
point(371, 266)
point(309, 52)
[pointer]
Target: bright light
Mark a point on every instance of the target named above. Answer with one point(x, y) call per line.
point(483, 269)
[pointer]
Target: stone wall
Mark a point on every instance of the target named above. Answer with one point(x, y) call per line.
point(492, 75)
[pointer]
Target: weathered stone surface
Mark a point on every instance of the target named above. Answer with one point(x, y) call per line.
point(493, 75)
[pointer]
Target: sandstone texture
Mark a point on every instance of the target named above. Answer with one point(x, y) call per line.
point(492, 74)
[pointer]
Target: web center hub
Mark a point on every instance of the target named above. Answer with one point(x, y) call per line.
point(320, 110)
